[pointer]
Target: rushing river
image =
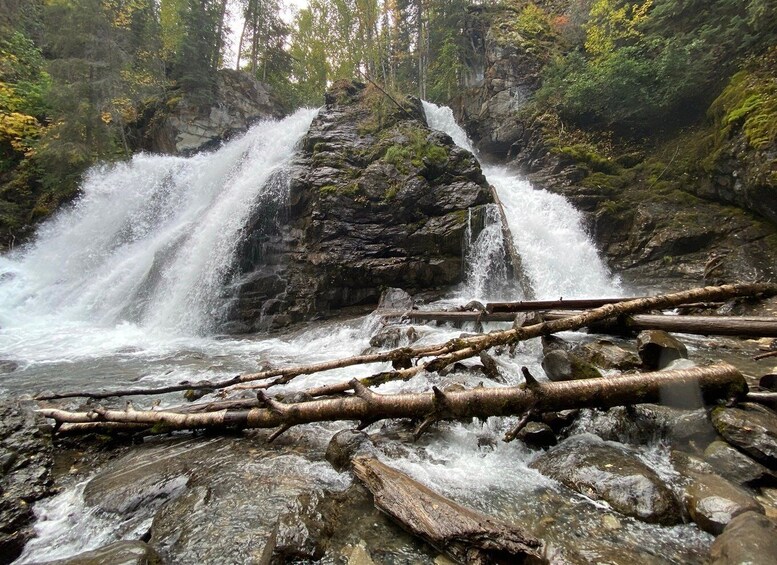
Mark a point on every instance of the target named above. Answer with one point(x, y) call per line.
point(118, 290)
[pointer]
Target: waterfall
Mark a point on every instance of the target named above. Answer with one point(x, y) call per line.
point(151, 241)
point(558, 255)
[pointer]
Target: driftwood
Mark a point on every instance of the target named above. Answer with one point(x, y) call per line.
point(765, 355)
point(444, 354)
point(461, 533)
point(720, 381)
point(744, 326)
point(750, 326)
point(560, 304)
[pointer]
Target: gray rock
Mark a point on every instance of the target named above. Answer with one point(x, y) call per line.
point(713, 502)
point(117, 553)
point(537, 434)
point(606, 355)
point(345, 445)
point(395, 299)
point(560, 365)
point(608, 471)
point(394, 336)
point(657, 349)
point(735, 465)
point(26, 460)
point(749, 538)
point(751, 428)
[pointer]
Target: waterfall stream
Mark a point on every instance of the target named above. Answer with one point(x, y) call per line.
point(118, 290)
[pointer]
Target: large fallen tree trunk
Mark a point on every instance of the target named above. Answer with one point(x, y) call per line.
point(743, 326)
point(560, 304)
point(444, 354)
point(463, 534)
point(750, 326)
point(714, 382)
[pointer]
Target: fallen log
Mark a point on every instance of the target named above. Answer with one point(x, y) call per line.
point(454, 350)
point(721, 381)
point(742, 326)
point(463, 534)
point(560, 304)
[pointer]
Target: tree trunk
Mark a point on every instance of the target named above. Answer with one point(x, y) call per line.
point(457, 349)
point(713, 382)
point(461, 533)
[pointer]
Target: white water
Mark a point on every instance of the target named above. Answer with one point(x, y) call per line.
point(118, 291)
point(558, 255)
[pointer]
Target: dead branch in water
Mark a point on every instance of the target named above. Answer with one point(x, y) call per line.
point(454, 350)
point(721, 381)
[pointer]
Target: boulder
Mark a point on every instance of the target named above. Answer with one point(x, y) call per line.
point(26, 460)
point(117, 553)
point(735, 465)
point(751, 428)
point(537, 434)
point(345, 445)
point(749, 538)
point(657, 349)
point(712, 501)
point(560, 365)
point(606, 355)
point(185, 128)
point(611, 472)
point(394, 336)
point(395, 299)
point(376, 200)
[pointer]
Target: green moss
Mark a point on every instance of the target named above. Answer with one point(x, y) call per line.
point(588, 155)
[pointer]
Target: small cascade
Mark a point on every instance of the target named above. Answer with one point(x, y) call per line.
point(557, 255)
point(151, 241)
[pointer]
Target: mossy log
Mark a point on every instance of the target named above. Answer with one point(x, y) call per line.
point(721, 381)
point(465, 535)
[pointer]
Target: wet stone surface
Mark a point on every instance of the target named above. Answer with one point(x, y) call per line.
point(752, 428)
point(608, 471)
point(749, 538)
point(713, 502)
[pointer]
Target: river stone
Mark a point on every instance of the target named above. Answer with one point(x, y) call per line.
point(735, 465)
point(713, 502)
point(657, 349)
point(117, 553)
point(345, 445)
point(26, 460)
point(560, 365)
point(751, 428)
point(606, 355)
point(537, 434)
point(749, 538)
point(394, 336)
point(609, 471)
point(395, 299)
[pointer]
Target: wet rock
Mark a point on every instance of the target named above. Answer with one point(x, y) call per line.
point(117, 553)
point(610, 472)
point(395, 299)
point(735, 465)
point(537, 434)
point(369, 208)
point(560, 420)
point(8, 366)
point(691, 429)
point(606, 355)
point(560, 365)
point(345, 445)
point(749, 538)
point(751, 428)
point(26, 462)
point(394, 336)
point(240, 101)
point(687, 464)
point(490, 367)
point(713, 502)
point(657, 349)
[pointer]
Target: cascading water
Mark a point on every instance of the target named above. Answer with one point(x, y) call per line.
point(113, 290)
point(558, 256)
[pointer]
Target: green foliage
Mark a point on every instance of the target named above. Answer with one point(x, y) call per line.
point(645, 62)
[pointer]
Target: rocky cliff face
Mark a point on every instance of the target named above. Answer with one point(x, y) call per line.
point(376, 199)
point(657, 215)
point(183, 128)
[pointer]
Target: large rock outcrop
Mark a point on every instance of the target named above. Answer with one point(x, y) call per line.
point(376, 200)
point(183, 128)
point(665, 211)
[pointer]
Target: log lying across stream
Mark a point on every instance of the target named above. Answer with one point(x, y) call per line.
point(721, 381)
point(465, 535)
